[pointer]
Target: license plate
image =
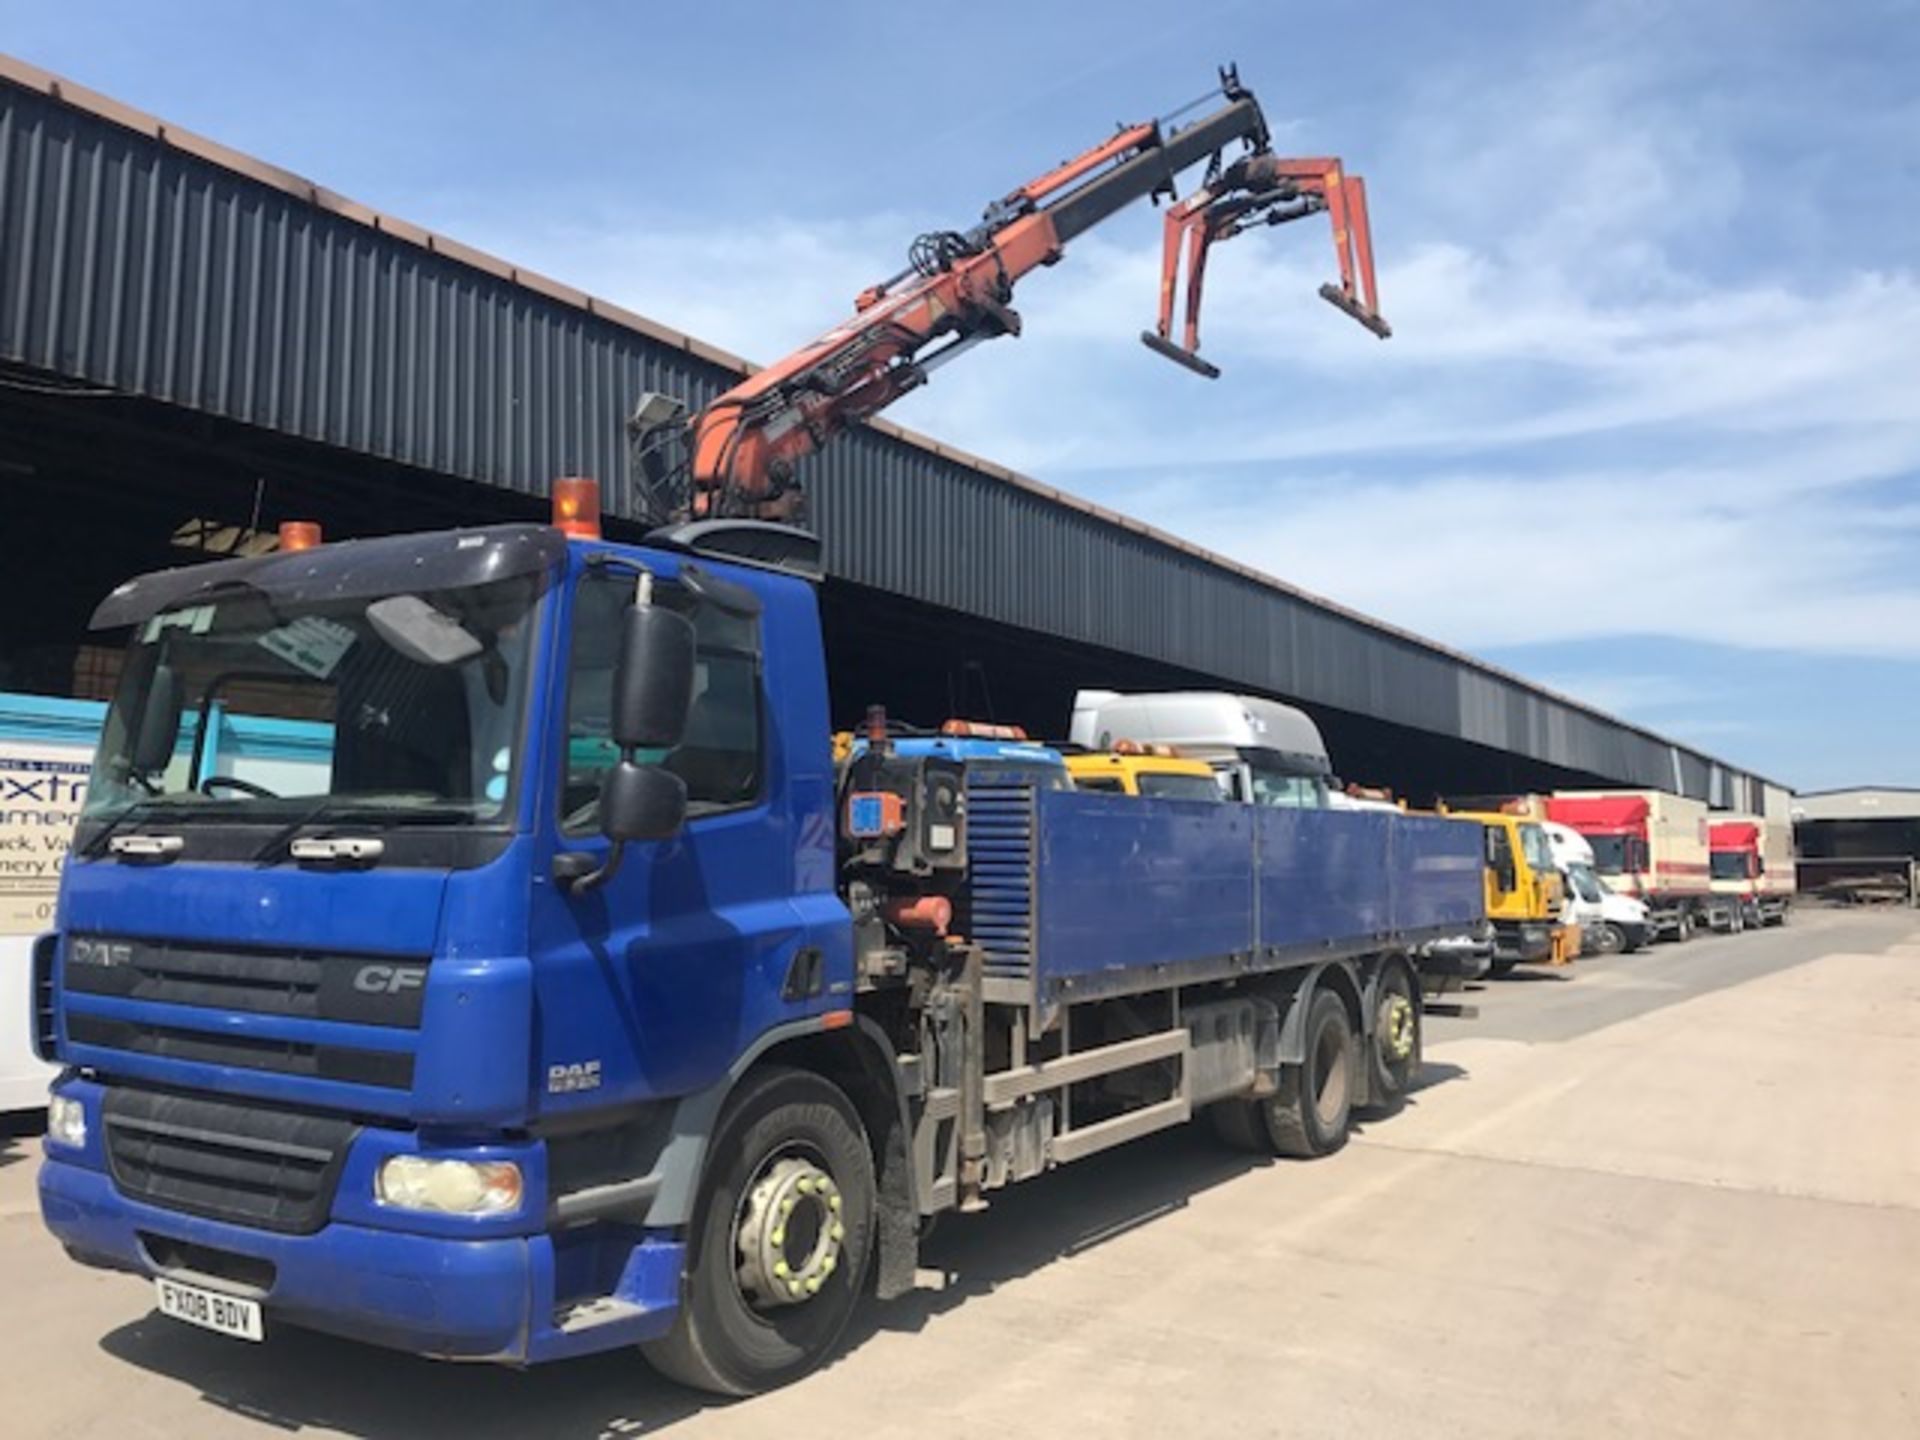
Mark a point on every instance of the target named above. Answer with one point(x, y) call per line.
point(210, 1310)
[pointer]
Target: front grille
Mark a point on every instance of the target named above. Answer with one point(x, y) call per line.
point(269, 1168)
point(385, 1068)
point(361, 989)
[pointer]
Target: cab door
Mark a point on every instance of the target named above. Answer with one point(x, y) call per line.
point(1504, 899)
point(654, 982)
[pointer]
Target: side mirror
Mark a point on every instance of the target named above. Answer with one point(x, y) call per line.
point(159, 723)
point(653, 679)
point(641, 802)
point(652, 693)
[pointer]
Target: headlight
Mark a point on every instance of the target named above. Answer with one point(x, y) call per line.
point(67, 1122)
point(452, 1187)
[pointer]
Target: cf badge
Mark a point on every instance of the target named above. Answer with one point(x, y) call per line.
point(389, 979)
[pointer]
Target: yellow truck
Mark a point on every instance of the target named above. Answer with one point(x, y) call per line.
point(1137, 770)
point(1526, 894)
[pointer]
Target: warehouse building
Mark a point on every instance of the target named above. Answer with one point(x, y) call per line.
point(195, 345)
point(1860, 844)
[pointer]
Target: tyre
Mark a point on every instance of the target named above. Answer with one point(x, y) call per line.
point(1608, 939)
point(1738, 922)
point(1683, 928)
point(778, 1251)
point(1307, 1116)
point(1393, 1052)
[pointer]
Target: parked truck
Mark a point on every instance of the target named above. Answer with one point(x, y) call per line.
point(1652, 846)
point(1525, 893)
point(1752, 866)
point(577, 999)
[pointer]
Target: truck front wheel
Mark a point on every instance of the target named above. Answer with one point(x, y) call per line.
point(1608, 938)
point(1307, 1116)
point(778, 1253)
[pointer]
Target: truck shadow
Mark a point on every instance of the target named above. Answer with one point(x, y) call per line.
point(18, 1132)
point(300, 1380)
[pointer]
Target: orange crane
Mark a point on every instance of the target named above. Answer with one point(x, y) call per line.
point(957, 290)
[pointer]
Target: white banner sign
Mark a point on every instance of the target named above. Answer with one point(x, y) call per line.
point(41, 789)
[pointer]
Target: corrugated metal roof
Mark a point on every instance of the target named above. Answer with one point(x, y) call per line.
point(138, 256)
point(1865, 803)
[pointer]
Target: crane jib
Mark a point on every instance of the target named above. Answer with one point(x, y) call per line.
point(1134, 179)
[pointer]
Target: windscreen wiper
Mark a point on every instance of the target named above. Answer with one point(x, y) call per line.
point(97, 845)
point(279, 845)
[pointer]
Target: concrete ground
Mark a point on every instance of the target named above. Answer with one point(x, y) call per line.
point(1672, 1194)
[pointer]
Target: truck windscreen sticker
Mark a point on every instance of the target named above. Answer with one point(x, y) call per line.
point(310, 643)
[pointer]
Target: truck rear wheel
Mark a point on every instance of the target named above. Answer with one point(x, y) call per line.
point(1395, 1048)
point(778, 1252)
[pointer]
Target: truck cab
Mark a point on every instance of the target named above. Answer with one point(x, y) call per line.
point(1260, 751)
point(1740, 873)
point(388, 1025)
point(1130, 770)
point(1734, 869)
point(1525, 892)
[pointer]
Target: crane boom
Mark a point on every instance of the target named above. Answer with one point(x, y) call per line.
point(958, 287)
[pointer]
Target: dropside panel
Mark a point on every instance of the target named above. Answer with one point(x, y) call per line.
point(1324, 875)
point(1126, 884)
point(1439, 873)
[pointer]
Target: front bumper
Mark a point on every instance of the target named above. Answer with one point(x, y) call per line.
point(428, 1295)
point(1522, 941)
point(1460, 957)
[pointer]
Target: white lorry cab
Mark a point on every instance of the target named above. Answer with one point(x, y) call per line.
point(1610, 923)
point(1261, 752)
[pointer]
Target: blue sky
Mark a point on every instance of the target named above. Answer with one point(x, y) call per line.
point(1649, 428)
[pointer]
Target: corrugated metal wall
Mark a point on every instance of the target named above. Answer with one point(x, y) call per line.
point(129, 262)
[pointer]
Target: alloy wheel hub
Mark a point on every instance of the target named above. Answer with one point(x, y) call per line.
point(790, 1232)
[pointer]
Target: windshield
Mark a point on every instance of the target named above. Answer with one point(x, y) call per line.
point(1178, 787)
point(1609, 853)
point(1533, 844)
point(248, 709)
point(1584, 884)
point(1729, 864)
point(1037, 774)
point(1280, 787)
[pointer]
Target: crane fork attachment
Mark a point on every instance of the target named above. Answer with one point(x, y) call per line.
point(1263, 189)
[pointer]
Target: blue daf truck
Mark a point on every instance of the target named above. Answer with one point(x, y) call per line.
point(552, 988)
